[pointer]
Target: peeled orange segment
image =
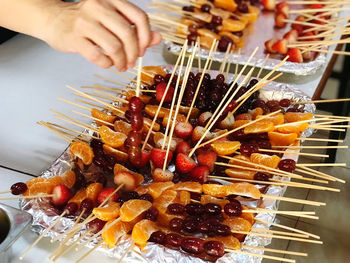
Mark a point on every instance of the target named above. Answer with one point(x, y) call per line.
point(232, 25)
point(229, 5)
point(35, 180)
point(122, 126)
point(205, 199)
point(257, 112)
point(107, 213)
point(184, 110)
point(142, 189)
point(68, 178)
point(239, 123)
point(144, 98)
point(188, 186)
point(238, 224)
point(102, 116)
point(78, 197)
point(116, 154)
point(115, 232)
point(277, 119)
point(266, 160)
point(248, 216)
point(133, 208)
point(236, 160)
point(282, 139)
point(184, 197)
point(147, 124)
point(40, 188)
point(297, 116)
point(151, 110)
point(293, 128)
point(229, 242)
point(240, 173)
point(112, 138)
point(93, 190)
point(148, 73)
point(243, 189)
point(215, 190)
point(156, 189)
point(83, 151)
point(142, 231)
point(165, 199)
point(55, 180)
point(226, 147)
point(259, 127)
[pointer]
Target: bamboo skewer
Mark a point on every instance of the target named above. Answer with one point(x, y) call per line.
point(320, 101)
point(27, 196)
point(286, 252)
point(295, 153)
point(284, 233)
point(319, 139)
point(93, 118)
point(55, 132)
point(293, 200)
point(72, 130)
point(319, 164)
point(313, 147)
point(260, 255)
point(89, 252)
point(290, 213)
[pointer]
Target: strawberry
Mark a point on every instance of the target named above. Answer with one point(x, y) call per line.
point(269, 44)
point(316, 6)
point(61, 195)
point(269, 4)
point(297, 27)
point(127, 179)
point(291, 36)
point(105, 193)
point(280, 20)
point(307, 55)
point(200, 173)
point(295, 55)
point(184, 164)
point(158, 157)
point(309, 35)
point(183, 147)
point(280, 46)
point(183, 130)
point(145, 156)
point(160, 92)
point(162, 176)
point(283, 7)
point(204, 117)
point(207, 159)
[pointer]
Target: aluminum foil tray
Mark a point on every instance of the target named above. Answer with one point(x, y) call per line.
point(44, 215)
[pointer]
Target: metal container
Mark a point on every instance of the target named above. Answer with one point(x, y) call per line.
point(12, 224)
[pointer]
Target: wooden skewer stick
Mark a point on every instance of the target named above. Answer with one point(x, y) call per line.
point(27, 196)
point(263, 65)
point(301, 11)
point(327, 51)
point(223, 64)
point(304, 169)
point(72, 130)
point(138, 83)
point(130, 248)
point(93, 118)
point(301, 170)
point(293, 200)
point(286, 252)
point(313, 147)
point(115, 98)
point(91, 104)
point(319, 164)
point(291, 213)
point(55, 131)
point(89, 252)
point(320, 101)
point(306, 2)
point(260, 255)
point(162, 100)
point(298, 122)
point(284, 233)
point(5, 192)
point(75, 122)
point(228, 65)
point(295, 153)
point(319, 139)
point(75, 104)
point(199, 54)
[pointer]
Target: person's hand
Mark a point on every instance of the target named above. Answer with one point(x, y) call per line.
point(105, 32)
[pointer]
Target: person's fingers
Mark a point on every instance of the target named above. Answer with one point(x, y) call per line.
point(126, 33)
point(93, 54)
point(137, 17)
point(110, 44)
point(156, 38)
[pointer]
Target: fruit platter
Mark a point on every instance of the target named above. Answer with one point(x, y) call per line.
point(181, 163)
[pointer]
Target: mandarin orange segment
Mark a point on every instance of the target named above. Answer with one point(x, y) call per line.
point(144, 98)
point(248, 216)
point(225, 147)
point(116, 154)
point(277, 119)
point(205, 199)
point(100, 115)
point(122, 126)
point(93, 190)
point(156, 189)
point(142, 189)
point(229, 5)
point(215, 190)
point(165, 199)
point(188, 186)
point(68, 178)
point(293, 128)
point(112, 138)
point(297, 116)
point(240, 173)
point(264, 159)
point(148, 73)
point(78, 197)
point(230, 242)
point(107, 213)
point(147, 124)
point(282, 139)
point(118, 230)
point(236, 160)
point(151, 110)
point(239, 123)
point(55, 180)
point(238, 224)
point(142, 231)
point(184, 197)
point(40, 188)
point(259, 127)
point(83, 151)
point(133, 208)
point(35, 180)
point(257, 112)
point(243, 189)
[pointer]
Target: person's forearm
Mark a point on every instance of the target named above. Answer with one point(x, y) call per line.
point(28, 16)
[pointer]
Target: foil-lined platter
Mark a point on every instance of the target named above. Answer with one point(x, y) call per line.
point(44, 214)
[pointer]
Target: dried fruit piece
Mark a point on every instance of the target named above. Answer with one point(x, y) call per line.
point(230, 242)
point(184, 197)
point(148, 73)
point(68, 178)
point(215, 190)
point(83, 151)
point(112, 138)
point(240, 173)
point(225, 147)
point(166, 198)
point(93, 190)
point(229, 5)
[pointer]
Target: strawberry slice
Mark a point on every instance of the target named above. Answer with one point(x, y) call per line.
point(269, 4)
point(127, 179)
point(184, 164)
point(269, 44)
point(291, 36)
point(200, 173)
point(207, 159)
point(160, 92)
point(295, 55)
point(183, 130)
point(183, 147)
point(61, 195)
point(158, 157)
point(105, 193)
point(283, 7)
point(280, 46)
point(162, 176)
point(280, 20)
point(204, 117)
